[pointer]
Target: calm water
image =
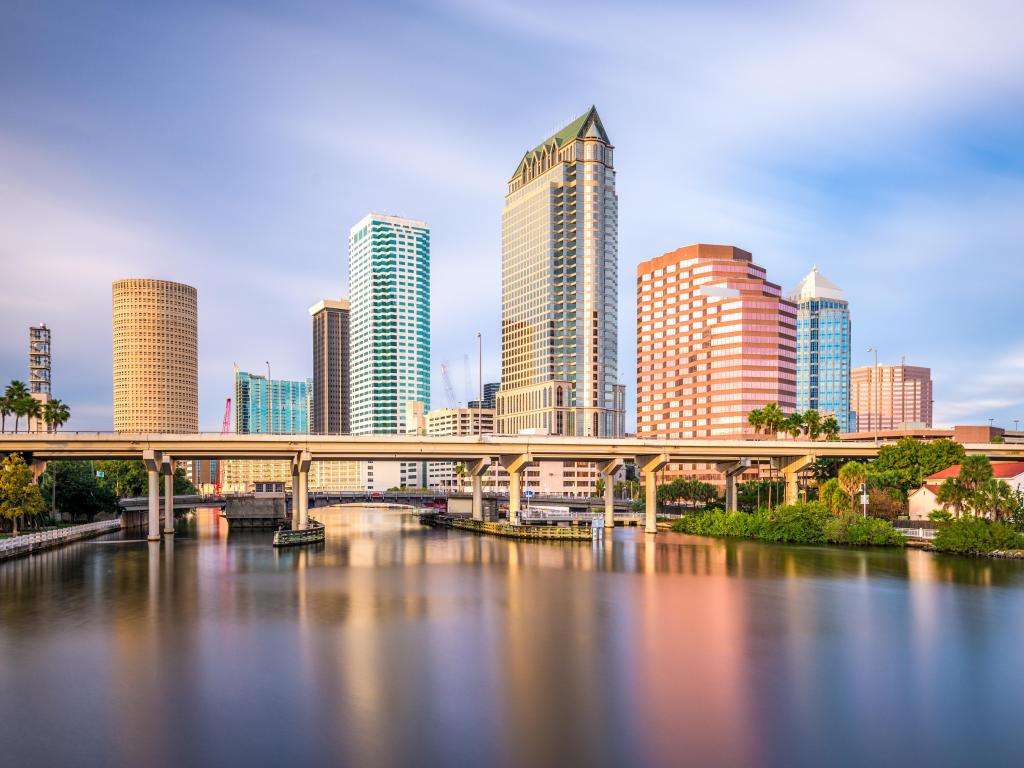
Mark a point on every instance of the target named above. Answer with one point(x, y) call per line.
point(395, 644)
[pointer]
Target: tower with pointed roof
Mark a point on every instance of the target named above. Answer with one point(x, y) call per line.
point(559, 271)
point(822, 348)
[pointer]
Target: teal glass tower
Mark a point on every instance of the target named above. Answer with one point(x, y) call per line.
point(389, 293)
point(822, 348)
point(277, 407)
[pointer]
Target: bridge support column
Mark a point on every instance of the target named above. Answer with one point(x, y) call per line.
point(167, 470)
point(295, 493)
point(608, 470)
point(152, 461)
point(514, 464)
point(790, 469)
point(732, 470)
point(300, 517)
point(648, 465)
point(476, 470)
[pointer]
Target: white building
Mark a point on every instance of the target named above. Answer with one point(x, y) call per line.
point(925, 499)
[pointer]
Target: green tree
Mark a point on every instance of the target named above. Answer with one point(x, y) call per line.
point(852, 475)
point(773, 418)
point(756, 420)
point(72, 488)
point(793, 425)
point(599, 486)
point(833, 497)
point(909, 461)
point(19, 496)
point(55, 414)
point(15, 395)
point(6, 409)
point(812, 423)
point(31, 409)
point(937, 455)
point(996, 498)
point(830, 427)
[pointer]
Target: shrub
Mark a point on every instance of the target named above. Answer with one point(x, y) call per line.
point(940, 516)
point(976, 534)
point(871, 531)
point(802, 523)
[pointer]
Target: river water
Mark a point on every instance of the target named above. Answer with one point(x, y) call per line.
point(396, 644)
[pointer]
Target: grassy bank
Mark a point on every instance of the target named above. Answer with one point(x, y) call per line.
point(978, 536)
point(806, 523)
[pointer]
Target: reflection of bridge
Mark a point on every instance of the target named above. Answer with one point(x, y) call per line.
point(479, 452)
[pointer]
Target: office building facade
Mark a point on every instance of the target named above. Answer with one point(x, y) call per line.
point(822, 348)
point(274, 406)
point(156, 370)
point(715, 340)
point(331, 413)
point(490, 396)
point(890, 397)
point(389, 285)
point(559, 325)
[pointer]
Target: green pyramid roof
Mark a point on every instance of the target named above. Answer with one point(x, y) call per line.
point(574, 130)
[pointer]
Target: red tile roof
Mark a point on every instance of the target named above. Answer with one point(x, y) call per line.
point(1000, 469)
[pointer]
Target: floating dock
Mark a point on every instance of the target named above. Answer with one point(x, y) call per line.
point(548, 532)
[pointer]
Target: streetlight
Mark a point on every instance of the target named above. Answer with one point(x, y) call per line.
point(480, 382)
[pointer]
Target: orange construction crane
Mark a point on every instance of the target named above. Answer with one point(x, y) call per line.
point(225, 427)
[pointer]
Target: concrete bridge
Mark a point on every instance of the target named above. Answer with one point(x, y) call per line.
point(478, 452)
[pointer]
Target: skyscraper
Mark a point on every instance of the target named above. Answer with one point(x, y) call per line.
point(156, 378)
point(559, 305)
point(389, 285)
point(890, 397)
point(276, 406)
point(490, 395)
point(822, 348)
point(715, 340)
point(331, 413)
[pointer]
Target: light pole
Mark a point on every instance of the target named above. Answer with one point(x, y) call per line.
point(480, 382)
point(270, 403)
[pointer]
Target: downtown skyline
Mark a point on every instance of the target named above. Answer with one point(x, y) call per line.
point(894, 211)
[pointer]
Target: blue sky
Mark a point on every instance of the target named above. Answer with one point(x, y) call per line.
point(232, 145)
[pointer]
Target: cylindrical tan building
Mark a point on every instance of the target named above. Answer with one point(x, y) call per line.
point(156, 378)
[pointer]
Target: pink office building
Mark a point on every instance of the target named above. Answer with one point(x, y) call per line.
point(715, 340)
point(891, 397)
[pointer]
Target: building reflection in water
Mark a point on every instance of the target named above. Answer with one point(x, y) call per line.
point(394, 643)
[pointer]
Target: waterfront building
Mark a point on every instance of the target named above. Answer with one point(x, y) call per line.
point(331, 413)
point(891, 397)
point(246, 475)
point(822, 348)
point(559, 325)
point(460, 422)
point(277, 406)
point(924, 500)
point(715, 340)
point(156, 372)
point(389, 283)
point(490, 396)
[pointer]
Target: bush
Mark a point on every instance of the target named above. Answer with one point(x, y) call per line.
point(940, 516)
point(977, 535)
point(808, 523)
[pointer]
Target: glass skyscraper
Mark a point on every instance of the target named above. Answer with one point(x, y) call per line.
point(822, 348)
point(283, 408)
point(559, 288)
point(389, 293)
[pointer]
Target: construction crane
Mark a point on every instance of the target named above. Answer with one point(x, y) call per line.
point(225, 427)
point(449, 390)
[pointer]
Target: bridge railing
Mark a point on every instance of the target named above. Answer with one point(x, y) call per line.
point(28, 542)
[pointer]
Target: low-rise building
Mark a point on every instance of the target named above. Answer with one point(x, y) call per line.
point(925, 499)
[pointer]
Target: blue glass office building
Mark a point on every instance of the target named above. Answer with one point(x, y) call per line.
point(822, 348)
point(283, 408)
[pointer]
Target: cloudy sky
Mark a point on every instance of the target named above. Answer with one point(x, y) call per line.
point(232, 145)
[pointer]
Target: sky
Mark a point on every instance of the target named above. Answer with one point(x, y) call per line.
point(231, 146)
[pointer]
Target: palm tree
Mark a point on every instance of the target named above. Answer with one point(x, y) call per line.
point(812, 423)
point(6, 410)
point(995, 496)
point(599, 486)
point(31, 409)
point(830, 427)
point(460, 473)
point(793, 424)
point(852, 475)
point(14, 394)
point(56, 414)
point(756, 420)
point(773, 418)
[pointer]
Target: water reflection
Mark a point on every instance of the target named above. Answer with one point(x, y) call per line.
point(396, 644)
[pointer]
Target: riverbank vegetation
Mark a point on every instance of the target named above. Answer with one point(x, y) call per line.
point(978, 536)
point(19, 496)
point(800, 523)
